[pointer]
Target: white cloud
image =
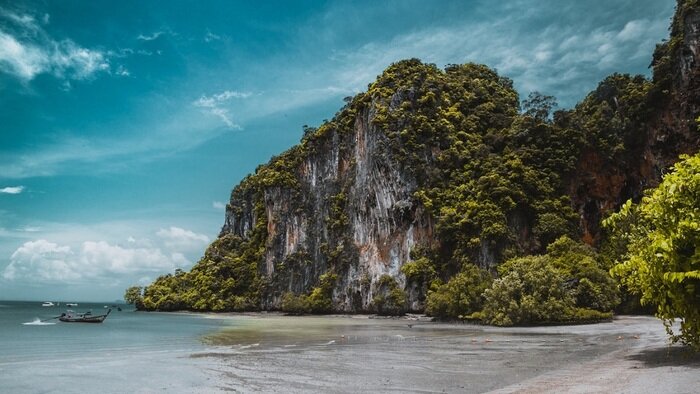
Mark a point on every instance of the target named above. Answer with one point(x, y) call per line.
point(44, 262)
point(556, 59)
point(24, 61)
point(98, 259)
point(218, 205)
point(80, 63)
point(69, 253)
point(23, 20)
point(209, 37)
point(122, 71)
point(179, 239)
point(12, 190)
point(215, 99)
point(31, 51)
point(632, 30)
point(214, 105)
point(146, 37)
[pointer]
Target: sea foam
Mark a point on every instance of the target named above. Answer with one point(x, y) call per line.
point(38, 322)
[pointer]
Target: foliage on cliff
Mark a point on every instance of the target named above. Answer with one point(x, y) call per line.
point(226, 278)
point(662, 257)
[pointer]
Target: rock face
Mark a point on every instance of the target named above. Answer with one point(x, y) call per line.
point(602, 184)
point(351, 206)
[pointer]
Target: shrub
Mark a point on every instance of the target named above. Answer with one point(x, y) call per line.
point(460, 296)
point(532, 291)
point(565, 285)
point(321, 298)
point(294, 304)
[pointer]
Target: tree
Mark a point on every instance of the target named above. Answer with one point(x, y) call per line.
point(539, 106)
point(133, 295)
point(662, 261)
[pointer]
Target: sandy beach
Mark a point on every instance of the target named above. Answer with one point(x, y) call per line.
point(272, 353)
point(138, 352)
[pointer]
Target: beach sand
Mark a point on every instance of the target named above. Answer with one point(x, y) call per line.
point(272, 353)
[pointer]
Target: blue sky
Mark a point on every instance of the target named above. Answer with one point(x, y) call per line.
point(124, 125)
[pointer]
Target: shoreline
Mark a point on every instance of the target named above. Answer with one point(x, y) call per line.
point(407, 316)
point(351, 353)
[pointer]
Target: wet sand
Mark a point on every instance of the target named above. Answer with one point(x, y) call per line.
point(272, 353)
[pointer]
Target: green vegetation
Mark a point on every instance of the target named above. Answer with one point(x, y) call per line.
point(662, 258)
point(320, 300)
point(566, 284)
point(461, 296)
point(226, 278)
point(390, 299)
point(134, 296)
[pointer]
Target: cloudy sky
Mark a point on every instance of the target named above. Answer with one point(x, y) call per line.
point(124, 125)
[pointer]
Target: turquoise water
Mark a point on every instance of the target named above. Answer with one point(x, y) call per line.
point(134, 351)
point(21, 338)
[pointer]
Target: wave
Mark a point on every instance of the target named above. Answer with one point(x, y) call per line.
point(38, 322)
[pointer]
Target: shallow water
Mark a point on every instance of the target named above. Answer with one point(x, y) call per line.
point(133, 351)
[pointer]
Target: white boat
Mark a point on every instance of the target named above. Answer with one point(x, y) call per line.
point(71, 304)
point(48, 303)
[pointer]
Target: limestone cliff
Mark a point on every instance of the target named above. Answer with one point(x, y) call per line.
point(431, 170)
point(350, 207)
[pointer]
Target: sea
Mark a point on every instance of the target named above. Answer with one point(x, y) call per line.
point(129, 352)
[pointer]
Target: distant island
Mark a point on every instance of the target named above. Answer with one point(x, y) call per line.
point(440, 191)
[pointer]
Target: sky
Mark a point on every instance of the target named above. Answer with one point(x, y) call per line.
point(125, 125)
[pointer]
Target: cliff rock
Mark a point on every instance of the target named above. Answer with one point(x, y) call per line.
point(431, 170)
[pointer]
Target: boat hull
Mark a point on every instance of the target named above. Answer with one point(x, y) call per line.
point(70, 317)
point(94, 319)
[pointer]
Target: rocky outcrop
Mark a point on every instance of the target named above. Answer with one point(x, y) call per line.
point(350, 207)
point(354, 197)
point(601, 184)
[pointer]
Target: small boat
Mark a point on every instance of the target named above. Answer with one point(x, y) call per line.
point(70, 304)
point(48, 303)
point(87, 317)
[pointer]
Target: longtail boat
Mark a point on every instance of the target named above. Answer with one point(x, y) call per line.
point(87, 317)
